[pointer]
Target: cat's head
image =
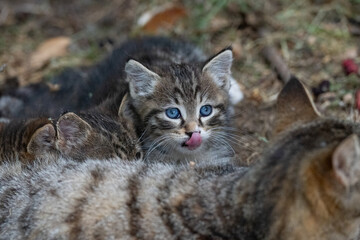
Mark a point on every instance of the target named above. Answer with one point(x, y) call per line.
point(182, 107)
point(316, 162)
point(27, 140)
point(95, 136)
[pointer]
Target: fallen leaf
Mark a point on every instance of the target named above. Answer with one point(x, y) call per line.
point(53, 47)
point(160, 17)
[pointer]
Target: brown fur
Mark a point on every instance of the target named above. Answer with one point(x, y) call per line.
point(295, 106)
point(304, 187)
point(87, 135)
point(165, 82)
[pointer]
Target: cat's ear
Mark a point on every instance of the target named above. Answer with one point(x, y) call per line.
point(42, 140)
point(294, 106)
point(141, 80)
point(219, 68)
point(72, 132)
point(346, 161)
point(123, 110)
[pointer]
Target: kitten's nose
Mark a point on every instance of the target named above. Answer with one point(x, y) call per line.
point(190, 127)
point(191, 133)
point(194, 140)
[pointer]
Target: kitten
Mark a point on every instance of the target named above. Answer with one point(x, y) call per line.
point(27, 140)
point(96, 135)
point(84, 88)
point(179, 101)
point(305, 186)
point(86, 135)
point(180, 107)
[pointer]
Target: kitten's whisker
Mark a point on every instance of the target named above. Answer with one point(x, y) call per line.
point(157, 143)
point(223, 142)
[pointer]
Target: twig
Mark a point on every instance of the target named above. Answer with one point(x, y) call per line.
point(272, 56)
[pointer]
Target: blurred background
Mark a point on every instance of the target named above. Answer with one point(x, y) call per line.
point(317, 40)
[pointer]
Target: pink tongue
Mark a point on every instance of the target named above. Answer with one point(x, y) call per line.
point(194, 142)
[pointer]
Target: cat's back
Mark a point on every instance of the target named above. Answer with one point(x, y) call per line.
point(96, 199)
point(160, 51)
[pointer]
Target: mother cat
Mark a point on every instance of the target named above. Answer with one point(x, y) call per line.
point(305, 187)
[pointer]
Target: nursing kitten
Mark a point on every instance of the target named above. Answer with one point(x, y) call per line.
point(305, 186)
point(27, 140)
point(86, 135)
point(95, 135)
point(180, 107)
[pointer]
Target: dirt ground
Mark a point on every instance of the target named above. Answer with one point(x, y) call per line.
point(313, 37)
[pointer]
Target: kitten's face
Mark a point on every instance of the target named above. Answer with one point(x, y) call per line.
point(183, 108)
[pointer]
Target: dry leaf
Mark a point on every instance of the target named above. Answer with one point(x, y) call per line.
point(54, 47)
point(160, 17)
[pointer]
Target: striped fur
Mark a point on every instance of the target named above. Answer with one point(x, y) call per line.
point(188, 80)
point(291, 193)
point(304, 187)
point(167, 78)
point(78, 137)
point(16, 141)
point(104, 137)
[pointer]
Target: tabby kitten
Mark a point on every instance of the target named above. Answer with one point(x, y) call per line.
point(180, 107)
point(84, 88)
point(96, 135)
point(87, 135)
point(27, 140)
point(305, 186)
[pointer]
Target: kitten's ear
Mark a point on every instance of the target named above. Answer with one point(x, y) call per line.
point(141, 80)
point(123, 106)
point(72, 132)
point(219, 68)
point(42, 140)
point(294, 105)
point(346, 161)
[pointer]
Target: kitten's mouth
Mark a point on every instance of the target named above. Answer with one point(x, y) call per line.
point(193, 142)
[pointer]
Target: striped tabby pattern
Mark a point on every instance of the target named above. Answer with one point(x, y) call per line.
point(78, 137)
point(17, 140)
point(195, 91)
point(278, 198)
point(305, 186)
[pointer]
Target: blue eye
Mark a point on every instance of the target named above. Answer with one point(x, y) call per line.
point(205, 110)
point(173, 113)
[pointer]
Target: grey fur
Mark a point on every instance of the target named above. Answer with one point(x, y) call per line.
point(273, 200)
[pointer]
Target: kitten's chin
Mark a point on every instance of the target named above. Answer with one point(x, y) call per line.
point(185, 149)
point(190, 148)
